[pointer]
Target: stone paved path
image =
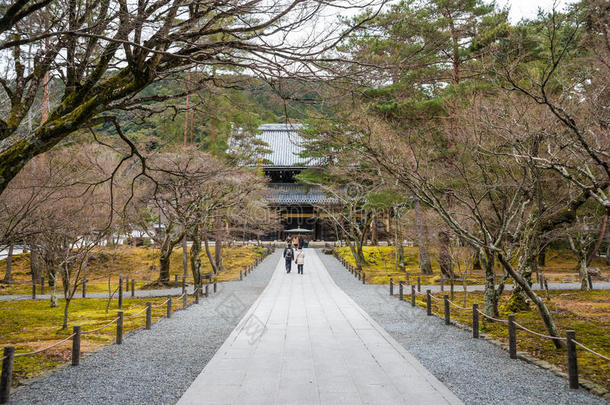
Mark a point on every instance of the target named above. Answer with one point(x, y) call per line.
point(304, 341)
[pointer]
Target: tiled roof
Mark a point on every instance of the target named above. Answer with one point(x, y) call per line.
point(285, 144)
point(288, 193)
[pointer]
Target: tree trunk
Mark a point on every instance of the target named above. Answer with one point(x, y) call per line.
point(35, 266)
point(542, 257)
point(444, 258)
point(401, 255)
point(66, 305)
point(374, 234)
point(582, 269)
point(355, 248)
point(542, 308)
point(9, 259)
point(219, 236)
point(608, 254)
point(195, 258)
point(208, 253)
point(421, 232)
point(164, 262)
point(52, 274)
point(490, 303)
point(185, 258)
point(518, 299)
point(167, 247)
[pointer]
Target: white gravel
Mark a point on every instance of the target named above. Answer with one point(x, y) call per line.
point(475, 370)
point(156, 366)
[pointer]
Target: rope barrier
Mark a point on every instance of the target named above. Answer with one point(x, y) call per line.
point(105, 326)
point(434, 298)
point(161, 304)
point(590, 350)
point(134, 315)
point(538, 334)
point(492, 318)
point(457, 306)
point(46, 348)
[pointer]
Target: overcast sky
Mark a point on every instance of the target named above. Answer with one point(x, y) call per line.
point(528, 8)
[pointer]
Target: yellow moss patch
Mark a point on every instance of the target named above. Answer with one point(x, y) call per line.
point(381, 265)
point(32, 325)
point(107, 264)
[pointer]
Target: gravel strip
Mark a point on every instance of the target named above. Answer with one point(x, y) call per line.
point(475, 370)
point(156, 366)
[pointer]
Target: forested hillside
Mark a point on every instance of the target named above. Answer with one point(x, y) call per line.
point(213, 111)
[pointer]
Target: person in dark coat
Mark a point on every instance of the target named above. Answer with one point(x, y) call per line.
point(288, 256)
point(301, 242)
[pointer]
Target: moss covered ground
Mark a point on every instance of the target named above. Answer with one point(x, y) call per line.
point(32, 325)
point(381, 265)
point(139, 263)
point(587, 313)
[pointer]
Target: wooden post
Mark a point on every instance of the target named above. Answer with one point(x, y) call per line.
point(442, 283)
point(7, 374)
point(512, 337)
point(418, 284)
point(391, 286)
point(133, 287)
point(408, 279)
point(475, 320)
point(447, 310)
point(148, 315)
point(84, 288)
point(241, 275)
point(400, 291)
point(169, 307)
point(120, 293)
point(572, 360)
point(127, 284)
point(428, 303)
point(412, 295)
point(76, 346)
point(119, 328)
point(184, 297)
point(176, 280)
point(215, 286)
point(363, 278)
point(34, 291)
point(206, 290)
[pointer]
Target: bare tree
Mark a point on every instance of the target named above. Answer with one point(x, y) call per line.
point(99, 56)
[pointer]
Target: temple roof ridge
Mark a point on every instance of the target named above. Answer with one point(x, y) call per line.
point(285, 144)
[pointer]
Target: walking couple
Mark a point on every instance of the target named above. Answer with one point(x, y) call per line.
point(298, 257)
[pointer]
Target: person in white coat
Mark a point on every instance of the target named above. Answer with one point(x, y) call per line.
point(299, 259)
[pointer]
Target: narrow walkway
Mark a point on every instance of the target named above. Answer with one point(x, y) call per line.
point(304, 341)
